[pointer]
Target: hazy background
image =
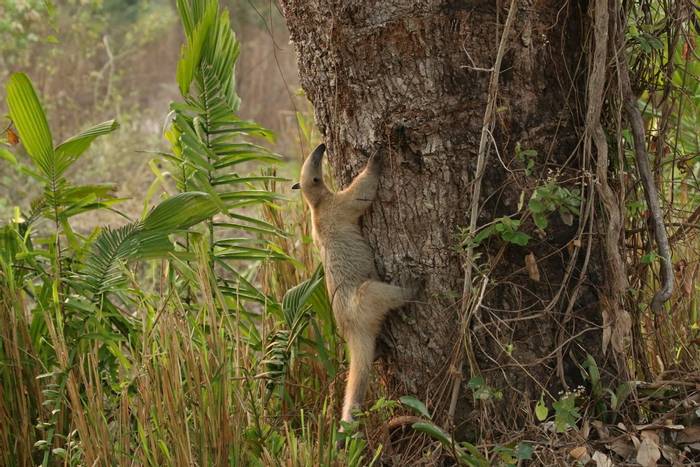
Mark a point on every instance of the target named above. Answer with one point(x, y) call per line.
point(92, 60)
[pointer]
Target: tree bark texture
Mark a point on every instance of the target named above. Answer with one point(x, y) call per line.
point(413, 75)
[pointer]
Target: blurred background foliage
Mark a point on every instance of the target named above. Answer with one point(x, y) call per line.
point(101, 59)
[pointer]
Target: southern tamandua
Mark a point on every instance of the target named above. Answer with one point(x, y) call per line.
point(359, 299)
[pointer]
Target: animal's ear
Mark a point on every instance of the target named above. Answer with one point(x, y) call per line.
point(296, 186)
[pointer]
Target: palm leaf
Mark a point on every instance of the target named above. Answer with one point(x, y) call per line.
point(197, 22)
point(181, 212)
point(71, 149)
point(142, 240)
point(29, 118)
point(297, 300)
point(207, 139)
point(296, 309)
point(112, 248)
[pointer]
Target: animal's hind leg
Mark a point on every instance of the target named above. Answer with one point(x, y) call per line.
point(376, 298)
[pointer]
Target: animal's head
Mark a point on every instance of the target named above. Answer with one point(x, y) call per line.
point(311, 181)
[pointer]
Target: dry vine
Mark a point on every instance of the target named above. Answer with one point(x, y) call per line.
point(484, 145)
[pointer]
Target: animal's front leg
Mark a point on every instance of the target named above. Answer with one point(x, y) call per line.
point(357, 197)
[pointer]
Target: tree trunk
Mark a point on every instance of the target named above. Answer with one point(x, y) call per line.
point(414, 75)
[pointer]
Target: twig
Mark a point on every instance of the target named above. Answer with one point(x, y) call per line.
point(691, 222)
point(595, 132)
point(650, 193)
point(404, 420)
point(458, 370)
point(473, 67)
point(486, 128)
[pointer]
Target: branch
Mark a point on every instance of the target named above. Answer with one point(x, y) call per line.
point(486, 129)
point(650, 193)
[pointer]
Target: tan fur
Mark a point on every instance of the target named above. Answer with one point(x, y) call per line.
point(360, 301)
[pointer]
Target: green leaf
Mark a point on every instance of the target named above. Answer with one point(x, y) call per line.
point(29, 118)
point(296, 307)
point(541, 410)
point(594, 375)
point(296, 299)
point(476, 382)
point(540, 220)
point(111, 248)
point(382, 404)
point(8, 156)
point(523, 451)
point(649, 258)
point(417, 405)
point(622, 392)
point(434, 432)
point(484, 234)
point(181, 211)
point(235, 179)
point(517, 238)
point(483, 391)
point(565, 413)
point(536, 206)
point(71, 149)
point(654, 42)
point(197, 26)
point(509, 224)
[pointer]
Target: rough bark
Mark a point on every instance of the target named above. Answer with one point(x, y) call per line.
point(414, 75)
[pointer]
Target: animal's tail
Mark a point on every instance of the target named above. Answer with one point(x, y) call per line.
point(373, 300)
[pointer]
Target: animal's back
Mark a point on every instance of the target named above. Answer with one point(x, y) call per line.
point(346, 255)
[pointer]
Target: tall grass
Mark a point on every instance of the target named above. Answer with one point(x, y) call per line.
point(187, 391)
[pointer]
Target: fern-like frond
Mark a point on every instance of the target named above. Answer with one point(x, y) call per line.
point(109, 252)
point(210, 150)
point(103, 269)
point(281, 346)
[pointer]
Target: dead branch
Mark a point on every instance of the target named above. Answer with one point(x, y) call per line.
point(403, 420)
point(650, 192)
point(489, 118)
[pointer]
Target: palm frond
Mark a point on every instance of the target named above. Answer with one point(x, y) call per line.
point(103, 269)
point(180, 212)
point(281, 347)
point(209, 146)
point(71, 149)
point(61, 200)
point(112, 248)
point(28, 116)
point(198, 17)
